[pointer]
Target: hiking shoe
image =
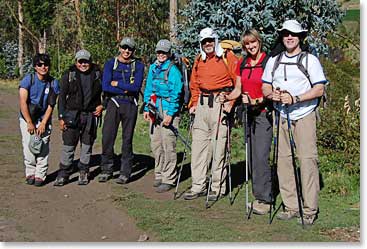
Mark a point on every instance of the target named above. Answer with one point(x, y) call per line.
point(287, 215)
point(104, 177)
point(83, 178)
point(307, 219)
point(164, 187)
point(38, 182)
point(192, 195)
point(122, 179)
point(61, 181)
point(213, 196)
point(157, 182)
point(259, 207)
point(30, 179)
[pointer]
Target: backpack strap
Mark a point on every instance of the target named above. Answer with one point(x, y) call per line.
point(276, 64)
point(301, 67)
point(166, 72)
point(72, 76)
point(132, 72)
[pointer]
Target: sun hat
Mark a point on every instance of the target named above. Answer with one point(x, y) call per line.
point(293, 26)
point(207, 33)
point(163, 45)
point(82, 54)
point(210, 33)
point(35, 144)
point(128, 41)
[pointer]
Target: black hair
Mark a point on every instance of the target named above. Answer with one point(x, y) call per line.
point(41, 57)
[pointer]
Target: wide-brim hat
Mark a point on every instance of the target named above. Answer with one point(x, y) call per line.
point(293, 26)
point(207, 33)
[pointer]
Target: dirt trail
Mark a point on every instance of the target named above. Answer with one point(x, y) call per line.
point(48, 213)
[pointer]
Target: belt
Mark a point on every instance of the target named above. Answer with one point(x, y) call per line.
point(210, 94)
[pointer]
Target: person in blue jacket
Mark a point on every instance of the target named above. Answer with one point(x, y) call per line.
point(121, 83)
point(163, 89)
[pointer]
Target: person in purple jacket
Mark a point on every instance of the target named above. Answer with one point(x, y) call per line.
point(121, 83)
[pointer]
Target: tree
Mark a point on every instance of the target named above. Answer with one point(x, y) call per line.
point(231, 17)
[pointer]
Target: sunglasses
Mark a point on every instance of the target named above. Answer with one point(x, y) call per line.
point(207, 40)
point(162, 52)
point(83, 61)
point(287, 33)
point(124, 47)
point(40, 64)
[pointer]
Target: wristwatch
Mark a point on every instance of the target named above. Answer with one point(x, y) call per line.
point(298, 99)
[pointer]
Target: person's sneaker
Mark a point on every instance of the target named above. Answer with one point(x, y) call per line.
point(307, 219)
point(61, 181)
point(104, 177)
point(83, 178)
point(38, 182)
point(189, 195)
point(213, 196)
point(259, 207)
point(30, 179)
point(287, 215)
point(157, 182)
point(164, 187)
point(122, 179)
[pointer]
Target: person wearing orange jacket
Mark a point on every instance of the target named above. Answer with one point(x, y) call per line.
point(213, 72)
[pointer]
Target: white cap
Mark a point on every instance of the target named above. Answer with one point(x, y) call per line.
point(292, 26)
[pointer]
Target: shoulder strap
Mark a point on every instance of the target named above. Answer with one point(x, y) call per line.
point(276, 64)
point(32, 79)
point(196, 61)
point(115, 64)
point(243, 65)
point(72, 76)
point(132, 73)
point(167, 71)
point(301, 67)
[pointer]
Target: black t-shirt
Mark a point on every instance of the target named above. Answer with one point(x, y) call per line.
point(86, 84)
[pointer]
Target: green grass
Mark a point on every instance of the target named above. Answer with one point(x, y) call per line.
point(352, 15)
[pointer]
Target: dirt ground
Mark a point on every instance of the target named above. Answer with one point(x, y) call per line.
point(60, 214)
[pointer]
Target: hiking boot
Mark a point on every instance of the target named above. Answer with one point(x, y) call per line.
point(259, 207)
point(157, 182)
point(83, 178)
point(307, 219)
point(287, 215)
point(61, 181)
point(213, 196)
point(104, 177)
point(122, 179)
point(30, 179)
point(38, 182)
point(164, 187)
point(192, 195)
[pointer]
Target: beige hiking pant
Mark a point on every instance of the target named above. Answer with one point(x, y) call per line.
point(304, 132)
point(163, 146)
point(206, 148)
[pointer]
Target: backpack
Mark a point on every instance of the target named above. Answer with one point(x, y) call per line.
point(133, 69)
point(304, 69)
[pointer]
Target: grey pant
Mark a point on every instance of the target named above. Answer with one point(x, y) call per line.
point(304, 131)
point(36, 165)
point(163, 145)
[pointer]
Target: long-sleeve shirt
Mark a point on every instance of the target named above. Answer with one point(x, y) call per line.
point(169, 92)
point(122, 75)
point(212, 74)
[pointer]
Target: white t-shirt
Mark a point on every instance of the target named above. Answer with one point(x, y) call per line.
point(290, 78)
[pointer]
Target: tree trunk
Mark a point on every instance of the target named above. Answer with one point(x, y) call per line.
point(118, 20)
point(43, 43)
point(173, 21)
point(79, 22)
point(20, 39)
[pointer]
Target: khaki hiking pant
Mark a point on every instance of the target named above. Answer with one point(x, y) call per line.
point(304, 132)
point(206, 149)
point(36, 165)
point(163, 146)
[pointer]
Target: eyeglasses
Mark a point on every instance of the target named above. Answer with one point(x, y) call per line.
point(124, 47)
point(287, 33)
point(83, 61)
point(207, 40)
point(40, 64)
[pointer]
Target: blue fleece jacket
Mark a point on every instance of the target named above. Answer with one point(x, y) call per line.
point(169, 92)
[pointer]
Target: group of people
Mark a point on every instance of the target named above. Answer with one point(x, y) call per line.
point(264, 84)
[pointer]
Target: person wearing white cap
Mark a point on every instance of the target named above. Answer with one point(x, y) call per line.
point(213, 72)
point(121, 83)
point(79, 108)
point(295, 95)
point(163, 90)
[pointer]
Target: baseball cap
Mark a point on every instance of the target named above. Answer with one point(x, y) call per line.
point(163, 45)
point(35, 144)
point(128, 41)
point(82, 54)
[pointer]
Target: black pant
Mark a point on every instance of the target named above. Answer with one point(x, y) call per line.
point(260, 137)
point(126, 114)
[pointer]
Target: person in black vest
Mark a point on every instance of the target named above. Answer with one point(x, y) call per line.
point(122, 80)
point(79, 109)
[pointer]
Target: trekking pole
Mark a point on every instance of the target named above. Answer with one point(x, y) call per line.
point(228, 160)
point(214, 152)
point(296, 175)
point(184, 154)
point(274, 167)
point(245, 128)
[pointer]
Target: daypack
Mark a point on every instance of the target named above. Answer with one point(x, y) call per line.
point(133, 69)
point(304, 69)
